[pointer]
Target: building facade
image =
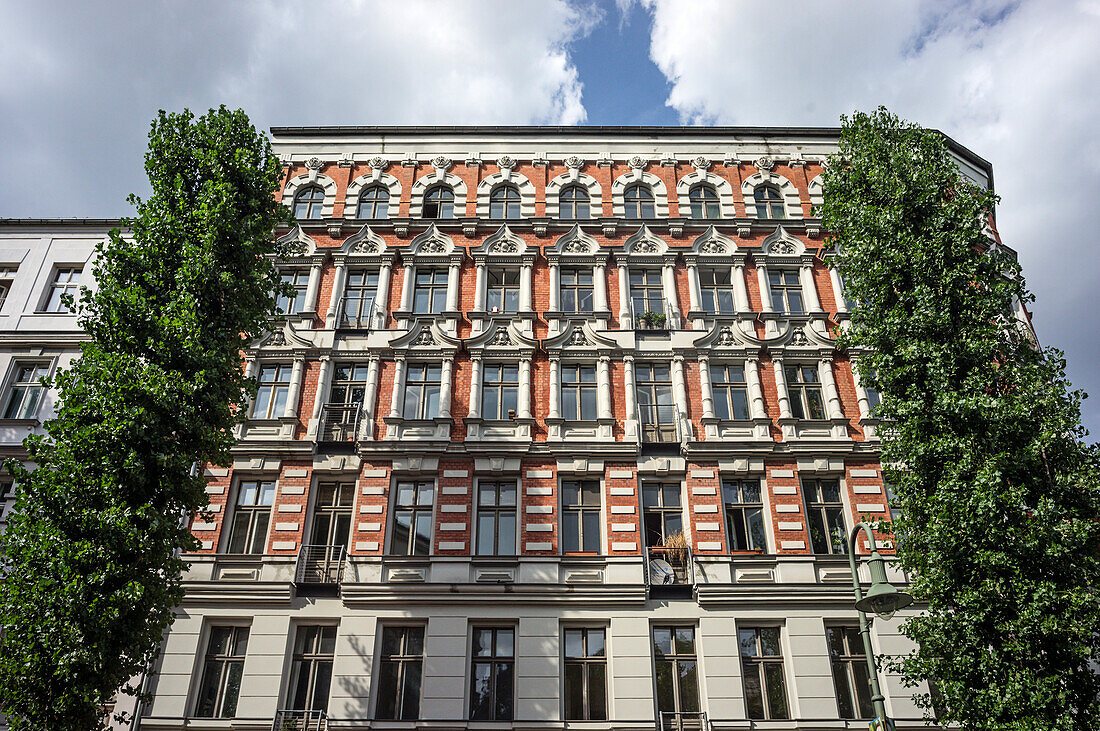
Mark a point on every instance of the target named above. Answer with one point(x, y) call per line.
point(553, 434)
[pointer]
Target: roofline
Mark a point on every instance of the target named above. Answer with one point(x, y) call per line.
point(595, 130)
point(113, 222)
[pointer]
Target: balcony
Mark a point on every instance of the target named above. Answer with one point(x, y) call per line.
point(339, 423)
point(357, 314)
point(669, 571)
point(290, 720)
point(320, 565)
point(660, 424)
point(682, 721)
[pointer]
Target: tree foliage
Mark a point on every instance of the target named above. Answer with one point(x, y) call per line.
point(1000, 493)
point(92, 547)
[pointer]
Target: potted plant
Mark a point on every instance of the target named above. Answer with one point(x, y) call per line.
point(653, 320)
point(677, 551)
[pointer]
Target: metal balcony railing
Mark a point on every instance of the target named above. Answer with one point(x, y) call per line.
point(357, 313)
point(291, 720)
point(682, 721)
point(340, 422)
point(669, 566)
point(319, 564)
point(659, 423)
point(653, 315)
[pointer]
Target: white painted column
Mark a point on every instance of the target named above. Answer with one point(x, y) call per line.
point(320, 395)
point(603, 386)
point(452, 286)
point(339, 280)
point(445, 388)
point(765, 287)
point(809, 288)
point(525, 388)
point(694, 301)
point(555, 287)
point(740, 291)
point(475, 387)
point(251, 366)
point(407, 287)
point(525, 275)
point(599, 287)
point(668, 289)
point(756, 390)
point(555, 388)
point(312, 286)
point(626, 322)
point(382, 296)
point(832, 396)
point(481, 276)
point(781, 389)
point(838, 290)
point(370, 399)
point(679, 394)
point(706, 389)
point(294, 393)
point(861, 393)
point(630, 396)
point(397, 399)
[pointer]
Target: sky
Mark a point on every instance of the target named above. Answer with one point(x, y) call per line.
point(1014, 80)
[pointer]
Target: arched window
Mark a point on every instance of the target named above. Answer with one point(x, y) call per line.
point(504, 202)
point(769, 202)
point(308, 202)
point(374, 202)
point(573, 203)
point(704, 201)
point(638, 201)
point(439, 202)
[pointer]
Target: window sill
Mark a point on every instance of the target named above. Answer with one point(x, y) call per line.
point(32, 423)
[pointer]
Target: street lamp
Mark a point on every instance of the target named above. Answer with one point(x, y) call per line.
point(883, 599)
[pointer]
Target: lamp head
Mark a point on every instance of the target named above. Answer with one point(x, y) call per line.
point(882, 599)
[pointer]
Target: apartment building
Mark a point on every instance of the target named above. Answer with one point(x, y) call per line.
point(554, 433)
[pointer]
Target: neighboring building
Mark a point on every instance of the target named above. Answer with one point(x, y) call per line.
point(509, 380)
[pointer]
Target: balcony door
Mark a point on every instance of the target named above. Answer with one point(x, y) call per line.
point(323, 558)
point(341, 418)
point(656, 411)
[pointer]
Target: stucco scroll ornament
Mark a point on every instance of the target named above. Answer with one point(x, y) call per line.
point(434, 246)
point(504, 247)
point(644, 247)
point(798, 337)
point(578, 338)
point(277, 339)
point(501, 338)
point(700, 163)
point(576, 246)
point(442, 164)
point(574, 163)
point(314, 165)
point(782, 247)
point(765, 163)
point(366, 246)
point(507, 164)
point(725, 337)
point(713, 247)
point(377, 165)
point(636, 163)
point(424, 338)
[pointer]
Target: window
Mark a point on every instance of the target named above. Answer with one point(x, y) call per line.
point(744, 515)
point(825, 512)
point(439, 202)
point(7, 497)
point(399, 673)
point(345, 399)
point(221, 672)
point(576, 290)
point(492, 674)
point(769, 202)
point(272, 393)
point(646, 291)
point(7, 275)
point(873, 398)
point(653, 385)
point(412, 518)
point(374, 202)
point(430, 294)
point(251, 516)
point(299, 280)
point(25, 391)
point(804, 391)
point(496, 518)
point(422, 383)
point(504, 202)
point(731, 398)
point(359, 292)
point(762, 663)
point(573, 203)
point(638, 201)
point(499, 391)
point(66, 280)
point(716, 290)
point(311, 669)
point(585, 674)
point(786, 291)
point(677, 670)
point(578, 392)
point(503, 291)
point(853, 689)
point(332, 513)
point(892, 504)
point(663, 516)
point(580, 516)
point(704, 202)
point(308, 203)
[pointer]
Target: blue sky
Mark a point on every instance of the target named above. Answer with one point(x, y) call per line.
point(1014, 80)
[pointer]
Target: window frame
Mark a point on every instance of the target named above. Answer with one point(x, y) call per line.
point(582, 510)
point(743, 506)
point(434, 288)
point(577, 290)
point(7, 281)
point(853, 662)
point(781, 290)
point(586, 661)
point(581, 391)
point(768, 204)
point(503, 389)
point(312, 206)
point(714, 296)
point(675, 658)
point(635, 202)
point(417, 511)
point(502, 283)
point(332, 511)
point(442, 197)
point(70, 285)
point(274, 407)
point(801, 392)
point(730, 392)
point(254, 509)
point(493, 660)
point(701, 206)
point(504, 202)
point(497, 509)
point(404, 660)
point(378, 204)
point(311, 660)
point(225, 661)
point(818, 508)
point(640, 282)
point(40, 368)
point(574, 203)
point(363, 282)
point(762, 662)
point(424, 388)
point(299, 280)
point(662, 510)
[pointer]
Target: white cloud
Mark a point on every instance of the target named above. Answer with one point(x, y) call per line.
point(1014, 81)
point(79, 82)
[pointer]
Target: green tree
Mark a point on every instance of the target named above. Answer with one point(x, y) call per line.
point(92, 548)
point(999, 493)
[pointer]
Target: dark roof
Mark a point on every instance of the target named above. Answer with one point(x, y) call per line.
point(110, 222)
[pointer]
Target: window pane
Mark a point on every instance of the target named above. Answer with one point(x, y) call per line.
point(666, 698)
point(504, 691)
point(234, 671)
point(689, 686)
point(410, 701)
point(574, 643)
point(777, 694)
point(481, 692)
point(754, 695)
point(597, 692)
point(574, 691)
point(843, 691)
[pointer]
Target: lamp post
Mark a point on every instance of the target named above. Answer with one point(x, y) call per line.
point(883, 599)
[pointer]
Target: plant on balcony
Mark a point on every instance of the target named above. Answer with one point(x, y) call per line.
point(654, 320)
point(676, 548)
point(92, 570)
